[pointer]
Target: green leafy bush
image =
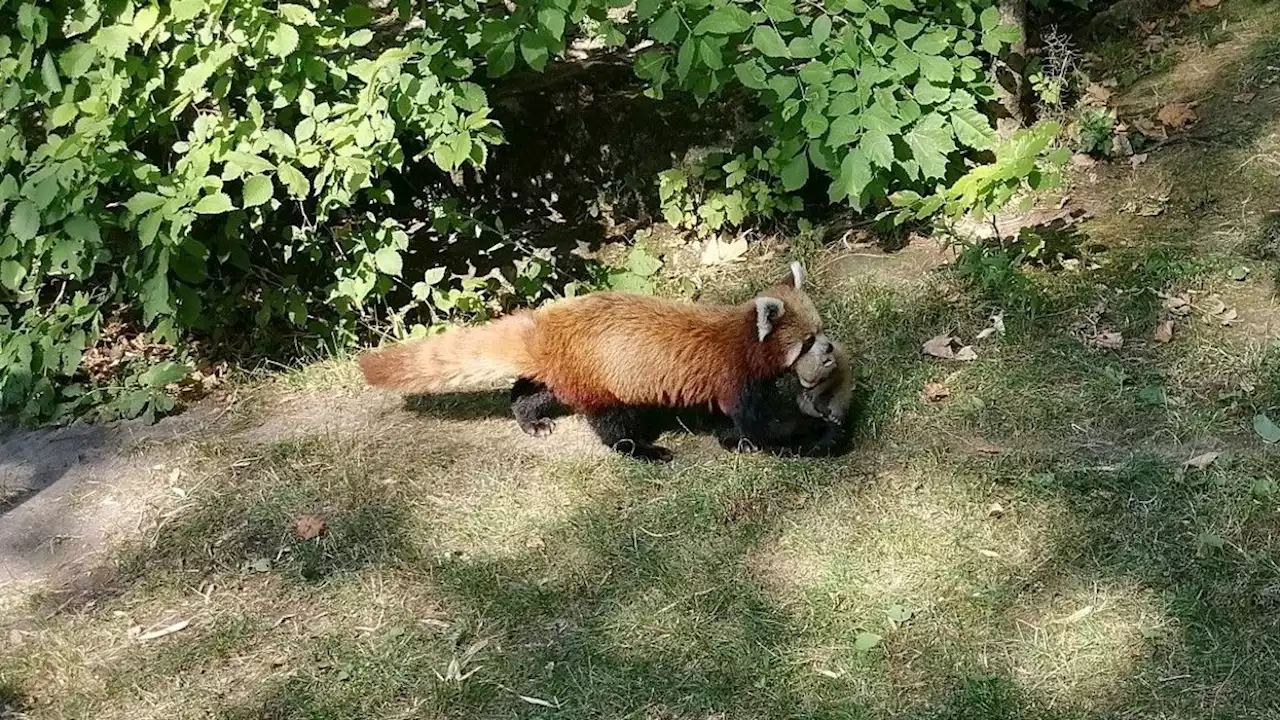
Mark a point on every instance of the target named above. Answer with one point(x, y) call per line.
point(879, 96)
point(207, 167)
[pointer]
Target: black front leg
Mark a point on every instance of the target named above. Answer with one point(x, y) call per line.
point(762, 419)
point(766, 419)
point(631, 431)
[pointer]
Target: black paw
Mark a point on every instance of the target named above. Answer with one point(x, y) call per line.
point(541, 427)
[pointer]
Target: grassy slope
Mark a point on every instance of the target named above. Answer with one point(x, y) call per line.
point(1031, 547)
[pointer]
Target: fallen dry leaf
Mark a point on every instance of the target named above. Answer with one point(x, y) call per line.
point(1213, 305)
point(939, 347)
point(996, 510)
point(1164, 332)
point(1203, 461)
point(718, 252)
point(1227, 317)
point(985, 333)
point(988, 553)
point(966, 354)
point(1099, 93)
point(1137, 160)
point(1178, 304)
point(309, 527)
point(1081, 160)
point(1109, 341)
point(1205, 4)
point(1177, 115)
point(1244, 97)
point(1074, 617)
point(935, 392)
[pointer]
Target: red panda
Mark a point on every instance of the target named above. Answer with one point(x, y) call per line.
point(617, 357)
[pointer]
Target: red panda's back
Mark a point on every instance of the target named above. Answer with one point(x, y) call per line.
point(607, 349)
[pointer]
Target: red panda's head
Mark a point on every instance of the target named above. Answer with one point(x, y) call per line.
point(786, 318)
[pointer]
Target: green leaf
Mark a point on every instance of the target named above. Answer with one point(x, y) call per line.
point(1266, 428)
point(165, 373)
point(779, 10)
point(937, 69)
point(283, 41)
point(989, 19)
point(843, 82)
point(434, 275)
point(802, 47)
point(360, 38)
point(878, 148)
point(814, 122)
point(684, 58)
point(77, 60)
point(501, 59)
point(724, 21)
point(898, 613)
point(904, 29)
point(844, 130)
point(769, 42)
point(11, 274)
point(24, 223)
point(821, 30)
point(972, 128)
point(855, 175)
point(995, 39)
point(930, 141)
point(214, 204)
point(710, 54)
point(751, 74)
point(646, 8)
point(142, 202)
point(640, 262)
point(533, 47)
point(926, 93)
point(113, 41)
point(552, 20)
point(257, 190)
point(796, 173)
point(149, 227)
point(49, 74)
point(664, 29)
point(297, 14)
point(784, 85)
point(293, 180)
point(183, 10)
point(83, 229)
point(932, 43)
point(388, 261)
point(250, 162)
point(145, 19)
point(62, 115)
point(864, 641)
point(815, 72)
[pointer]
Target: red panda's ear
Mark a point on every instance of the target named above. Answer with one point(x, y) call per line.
point(795, 278)
point(768, 310)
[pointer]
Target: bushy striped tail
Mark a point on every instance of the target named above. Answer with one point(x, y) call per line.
point(457, 360)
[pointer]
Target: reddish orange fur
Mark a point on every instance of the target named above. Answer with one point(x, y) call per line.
point(608, 349)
